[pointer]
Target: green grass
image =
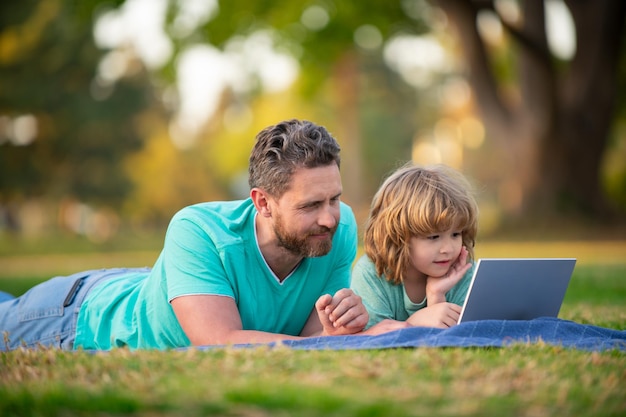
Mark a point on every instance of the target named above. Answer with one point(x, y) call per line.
point(66, 243)
point(597, 295)
point(521, 380)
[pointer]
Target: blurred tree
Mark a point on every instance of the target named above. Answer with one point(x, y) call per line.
point(166, 178)
point(333, 69)
point(64, 131)
point(552, 117)
point(557, 122)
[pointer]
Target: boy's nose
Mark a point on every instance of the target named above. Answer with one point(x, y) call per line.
point(446, 246)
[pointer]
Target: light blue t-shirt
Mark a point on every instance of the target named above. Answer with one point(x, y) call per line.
point(211, 248)
point(385, 300)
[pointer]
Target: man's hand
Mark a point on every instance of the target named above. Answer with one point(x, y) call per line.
point(441, 315)
point(342, 314)
point(437, 287)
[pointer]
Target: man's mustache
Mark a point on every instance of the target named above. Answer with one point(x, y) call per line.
point(321, 230)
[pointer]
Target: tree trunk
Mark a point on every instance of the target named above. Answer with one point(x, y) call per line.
point(556, 133)
point(345, 84)
point(587, 99)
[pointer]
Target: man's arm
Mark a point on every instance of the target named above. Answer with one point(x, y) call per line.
point(215, 320)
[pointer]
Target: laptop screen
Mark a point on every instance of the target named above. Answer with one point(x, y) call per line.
point(517, 288)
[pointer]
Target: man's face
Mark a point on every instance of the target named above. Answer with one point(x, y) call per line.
point(308, 212)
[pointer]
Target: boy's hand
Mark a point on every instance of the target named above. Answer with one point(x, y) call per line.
point(386, 325)
point(437, 287)
point(441, 315)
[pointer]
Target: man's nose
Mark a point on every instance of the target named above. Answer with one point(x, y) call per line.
point(329, 216)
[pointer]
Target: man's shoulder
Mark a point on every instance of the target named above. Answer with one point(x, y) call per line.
point(347, 214)
point(232, 210)
point(221, 220)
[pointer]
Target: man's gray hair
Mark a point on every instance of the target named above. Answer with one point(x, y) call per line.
point(281, 149)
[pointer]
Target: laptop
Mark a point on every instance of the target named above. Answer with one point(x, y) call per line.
point(517, 288)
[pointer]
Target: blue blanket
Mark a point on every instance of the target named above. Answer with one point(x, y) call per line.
point(487, 333)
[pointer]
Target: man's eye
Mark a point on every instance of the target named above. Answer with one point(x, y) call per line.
point(312, 206)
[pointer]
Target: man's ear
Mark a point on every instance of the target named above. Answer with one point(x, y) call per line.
point(261, 201)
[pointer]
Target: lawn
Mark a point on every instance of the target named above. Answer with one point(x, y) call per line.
point(521, 380)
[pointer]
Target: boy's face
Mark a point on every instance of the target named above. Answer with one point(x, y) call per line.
point(307, 213)
point(433, 255)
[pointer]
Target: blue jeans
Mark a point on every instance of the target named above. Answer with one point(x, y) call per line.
point(46, 315)
point(5, 296)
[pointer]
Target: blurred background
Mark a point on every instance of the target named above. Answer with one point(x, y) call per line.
point(116, 114)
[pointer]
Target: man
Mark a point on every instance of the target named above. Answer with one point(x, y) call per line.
point(272, 267)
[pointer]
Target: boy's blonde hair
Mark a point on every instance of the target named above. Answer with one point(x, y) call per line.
point(417, 201)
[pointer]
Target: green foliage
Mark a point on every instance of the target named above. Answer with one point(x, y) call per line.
point(389, 122)
point(338, 76)
point(84, 127)
point(318, 49)
point(87, 129)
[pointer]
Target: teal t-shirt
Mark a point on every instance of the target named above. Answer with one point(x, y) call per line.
point(385, 300)
point(211, 248)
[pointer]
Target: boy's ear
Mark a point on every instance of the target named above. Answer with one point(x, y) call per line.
point(261, 201)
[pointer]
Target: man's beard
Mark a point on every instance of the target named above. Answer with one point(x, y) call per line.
point(299, 245)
